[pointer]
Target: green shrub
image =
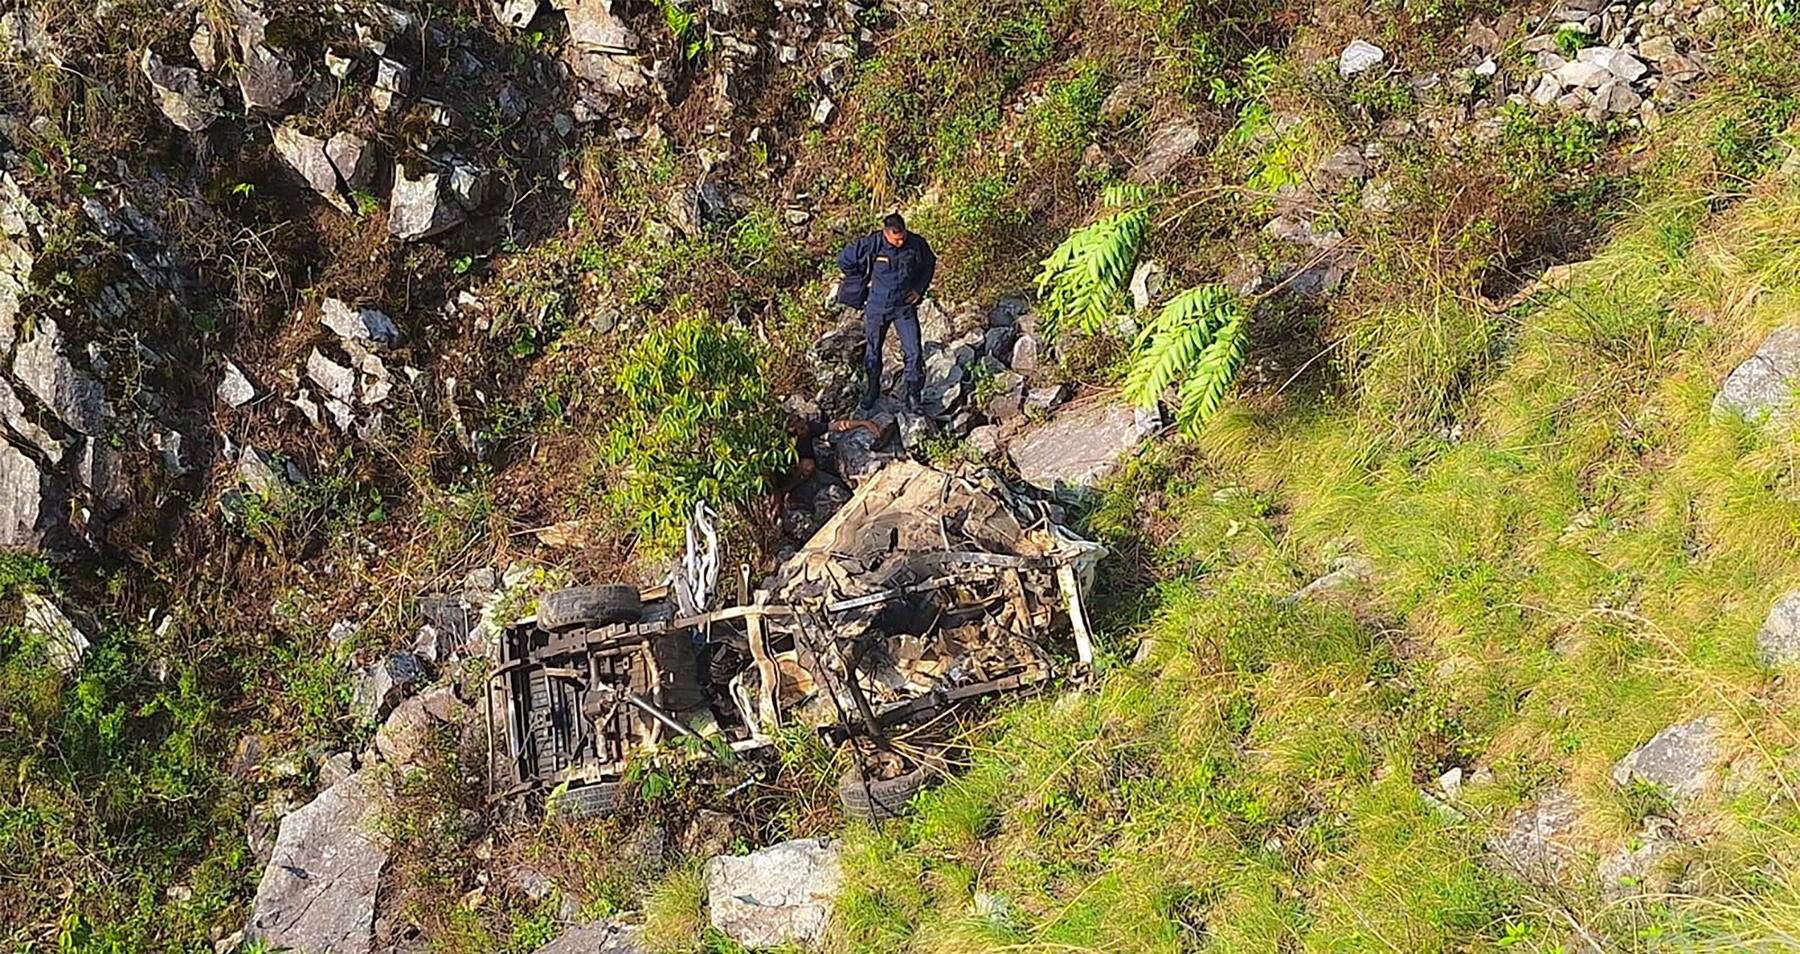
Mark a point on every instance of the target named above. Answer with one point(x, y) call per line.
point(697, 421)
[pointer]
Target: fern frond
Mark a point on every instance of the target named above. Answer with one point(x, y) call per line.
point(1083, 280)
point(1213, 375)
point(1195, 344)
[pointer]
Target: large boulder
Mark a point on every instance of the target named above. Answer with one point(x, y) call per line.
point(419, 209)
point(42, 364)
point(179, 93)
point(408, 730)
point(28, 501)
point(1168, 147)
point(1083, 443)
point(318, 892)
point(333, 168)
point(780, 895)
point(610, 936)
point(1679, 760)
point(1762, 388)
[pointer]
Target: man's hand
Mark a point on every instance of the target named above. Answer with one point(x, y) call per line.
point(912, 297)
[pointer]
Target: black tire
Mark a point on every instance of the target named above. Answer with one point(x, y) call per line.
point(878, 799)
point(589, 606)
point(592, 800)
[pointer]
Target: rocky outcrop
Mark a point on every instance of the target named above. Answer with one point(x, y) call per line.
point(1762, 388)
point(1679, 760)
point(419, 208)
point(610, 936)
point(410, 728)
point(1778, 642)
point(336, 169)
point(1537, 841)
point(1081, 444)
point(318, 892)
point(180, 94)
point(782, 894)
point(64, 642)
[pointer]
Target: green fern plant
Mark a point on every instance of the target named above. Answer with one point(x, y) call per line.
point(1196, 345)
point(1083, 281)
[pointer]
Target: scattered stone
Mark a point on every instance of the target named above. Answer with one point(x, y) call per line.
point(417, 209)
point(1657, 48)
point(1025, 355)
point(408, 730)
point(999, 342)
point(1359, 57)
point(22, 32)
point(1778, 642)
point(780, 895)
point(1451, 782)
point(1617, 62)
point(1536, 841)
point(75, 396)
point(692, 206)
point(1762, 388)
point(1146, 282)
point(823, 111)
point(318, 892)
point(611, 936)
point(353, 159)
point(469, 186)
point(333, 168)
point(1345, 572)
point(363, 326)
point(1080, 445)
point(1634, 867)
point(1583, 75)
point(985, 440)
point(594, 27)
point(517, 14)
point(267, 475)
point(379, 686)
point(64, 642)
point(1045, 399)
point(1006, 400)
point(334, 379)
point(234, 390)
point(1679, 760)
point(392, 78)
point(1168, 147)
point(179, 94)
point(264, 79)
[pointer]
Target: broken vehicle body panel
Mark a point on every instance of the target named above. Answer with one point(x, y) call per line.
point(927, 589)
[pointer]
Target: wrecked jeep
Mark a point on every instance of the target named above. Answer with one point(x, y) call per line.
point(925, 591)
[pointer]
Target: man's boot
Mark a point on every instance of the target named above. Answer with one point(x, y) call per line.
point(915, 398)
point(871, 393)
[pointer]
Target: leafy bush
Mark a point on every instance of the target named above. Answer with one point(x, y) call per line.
point(697, 421)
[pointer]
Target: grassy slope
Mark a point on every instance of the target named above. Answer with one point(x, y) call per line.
point(1584, 563)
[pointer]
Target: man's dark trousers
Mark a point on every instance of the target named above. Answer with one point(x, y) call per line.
point(905, 320)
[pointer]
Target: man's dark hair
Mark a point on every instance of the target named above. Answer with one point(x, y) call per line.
point(894, 223)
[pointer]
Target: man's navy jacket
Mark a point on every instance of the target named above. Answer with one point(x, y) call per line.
point(893, 273)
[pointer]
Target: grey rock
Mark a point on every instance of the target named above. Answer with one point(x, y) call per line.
point(1582, 75)
point(318, 892)
point(985, 440)
point(1778, 642)
point(310, 158)
point(268, 475)
point(1080, 445)
point(265, 79)
point(408, 729)
point(823, 110)
point(1679, 760)
point(469, 186)
point(362, 326)
point(1006, 402)
point(418, 210)
point(23, 32)
point(517, 14)
point(1657, 48)
point(392, 80)
point(782, 894)
point(611, 936)
point(336, 767)
point(695, 205)
point(1025, 355)
point(999, 342)
point(1347, 164)
point(12, 414)
point(1345, 572)
point(1634, 868)
point(99, 469)
point(353, 159)
point(64, 642)
point(1617, 62)
point(1536, 843)
point(1548, 90)
point(1359, 57)
point(1045, 398)
point(338, 66)
point(75, 396)
point(1762, 388)
point(332, 378)
point(595, 28)
point(380, 685)
point(1167, 148)
point(235, 389)
point(180, 95)
point(708, 833)
point(1146, 284)
point(28, 501)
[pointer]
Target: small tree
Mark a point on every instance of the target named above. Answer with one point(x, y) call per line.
point(1195, 345)
point(698, 421)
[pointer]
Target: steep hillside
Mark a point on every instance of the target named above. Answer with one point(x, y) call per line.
point(1446, 606)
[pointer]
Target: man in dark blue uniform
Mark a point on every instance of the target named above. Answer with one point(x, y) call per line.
point(893, 268)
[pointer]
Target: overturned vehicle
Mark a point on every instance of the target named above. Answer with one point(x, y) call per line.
point(926, 591)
